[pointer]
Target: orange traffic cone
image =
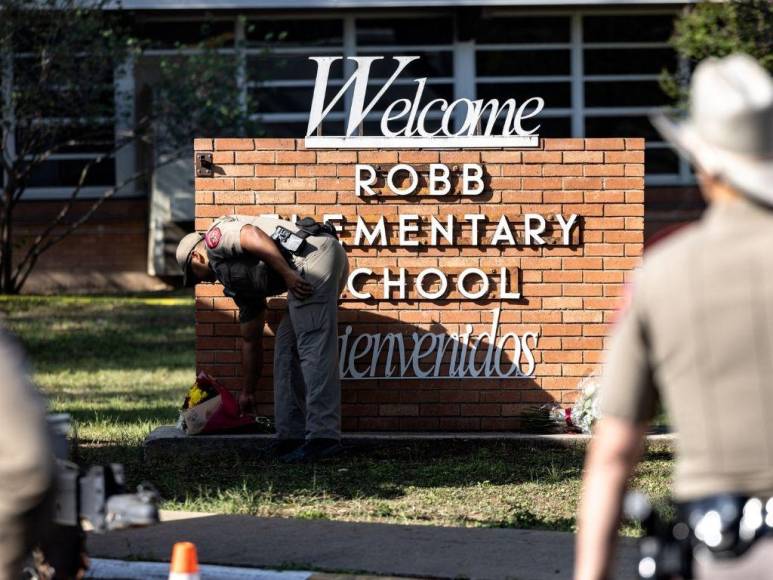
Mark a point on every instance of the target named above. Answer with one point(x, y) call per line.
point(185, 564)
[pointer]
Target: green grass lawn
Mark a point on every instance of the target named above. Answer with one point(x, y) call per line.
point(121, 365)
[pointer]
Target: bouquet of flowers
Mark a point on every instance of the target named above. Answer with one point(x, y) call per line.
point(209, 408)
point(548, 418)
point(198, 394)
point(585, 410)
point(552, 418)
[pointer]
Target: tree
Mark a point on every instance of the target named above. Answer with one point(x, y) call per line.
point(718, 29)
point(62, 62)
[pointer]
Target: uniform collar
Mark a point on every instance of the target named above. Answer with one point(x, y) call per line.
point(740, 211)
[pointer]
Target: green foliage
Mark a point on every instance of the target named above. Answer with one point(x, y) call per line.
point(717, 29)
point(720, 29)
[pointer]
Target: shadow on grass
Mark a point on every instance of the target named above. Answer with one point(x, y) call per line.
point(162, 395)
point(489, 484)
point(382, 473)
point(103, 335)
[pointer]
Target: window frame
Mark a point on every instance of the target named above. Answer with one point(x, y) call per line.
point(464, 79)
point(579, 111)
point(123, 159)
point(350, 48)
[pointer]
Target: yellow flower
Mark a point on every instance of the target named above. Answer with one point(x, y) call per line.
point(195, 396)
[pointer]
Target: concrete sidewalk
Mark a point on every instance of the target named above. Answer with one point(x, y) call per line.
point(363, 548)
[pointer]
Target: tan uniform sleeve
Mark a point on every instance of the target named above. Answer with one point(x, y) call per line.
point(223, 238)
point(627, 386)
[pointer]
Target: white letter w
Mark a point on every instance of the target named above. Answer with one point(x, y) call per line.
point(359, 78)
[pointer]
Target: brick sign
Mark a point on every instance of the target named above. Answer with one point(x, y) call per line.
point(481, 281)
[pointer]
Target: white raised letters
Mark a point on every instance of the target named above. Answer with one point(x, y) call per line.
point(413, 179)
point(403, 121)
point(361, 184)
point(432, 355)
point(439, 173)
point(472, 179)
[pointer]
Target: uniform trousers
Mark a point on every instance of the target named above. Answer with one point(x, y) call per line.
point(307, 383)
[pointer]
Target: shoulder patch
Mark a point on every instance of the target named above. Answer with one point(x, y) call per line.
point(213, 238)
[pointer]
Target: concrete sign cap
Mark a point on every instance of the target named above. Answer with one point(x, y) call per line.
point(729, 130)
point(184, 252)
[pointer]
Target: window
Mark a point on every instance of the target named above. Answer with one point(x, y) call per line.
point(169, 34)
point(295, 33)
point(524, 30)
point(48, 115)
point(394, 32)
point(634, 27)
point(623, 56)
point(527, 56)
point(597, 72)
point(280, 76)
point(432, 39)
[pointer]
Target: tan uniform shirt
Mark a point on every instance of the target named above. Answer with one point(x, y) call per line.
point(249, 281)
point(222, 237)
point(698, 334)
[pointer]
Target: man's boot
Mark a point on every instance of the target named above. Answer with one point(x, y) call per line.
point(313, 450)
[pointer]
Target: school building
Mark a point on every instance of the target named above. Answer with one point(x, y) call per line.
point(596, 65)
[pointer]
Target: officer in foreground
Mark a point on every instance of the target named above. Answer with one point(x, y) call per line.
point(697, 334)
point(257, 257)
point(26, 464)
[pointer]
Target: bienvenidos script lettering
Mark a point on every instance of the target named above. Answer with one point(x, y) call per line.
point(432, 355)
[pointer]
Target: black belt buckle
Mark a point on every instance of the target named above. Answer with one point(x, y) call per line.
point(290, 241)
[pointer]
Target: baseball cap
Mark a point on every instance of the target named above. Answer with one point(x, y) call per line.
point(184, 252)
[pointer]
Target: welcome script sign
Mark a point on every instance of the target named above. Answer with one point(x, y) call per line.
point(403, 121)
point(479, 353)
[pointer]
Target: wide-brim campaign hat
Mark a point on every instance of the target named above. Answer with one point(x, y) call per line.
point(184, 255)
point(729, 130)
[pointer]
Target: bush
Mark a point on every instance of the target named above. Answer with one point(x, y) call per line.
point(719, 29)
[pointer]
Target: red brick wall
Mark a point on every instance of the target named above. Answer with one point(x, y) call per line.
point(569, 293)
point(107, 253)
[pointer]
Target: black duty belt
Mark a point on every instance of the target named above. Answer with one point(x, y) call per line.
point(293, 242)
point(722, 526)
point(727, 524)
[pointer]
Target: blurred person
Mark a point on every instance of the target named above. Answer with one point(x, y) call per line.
point(26, 464)
point(697, 332)
point(257, 257)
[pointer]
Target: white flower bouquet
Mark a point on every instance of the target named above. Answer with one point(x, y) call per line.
point(585, 410)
